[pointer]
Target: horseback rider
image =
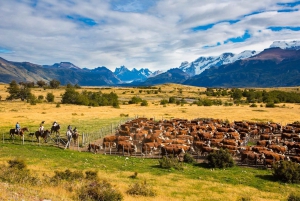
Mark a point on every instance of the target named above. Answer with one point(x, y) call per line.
point(55, 124)
point(18, 128)
point(41, 129)
point(70, 128)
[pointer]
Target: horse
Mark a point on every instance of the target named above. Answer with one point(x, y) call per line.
point(55, 129)
point(13, 132)
point(75, 136)
point(44, 135)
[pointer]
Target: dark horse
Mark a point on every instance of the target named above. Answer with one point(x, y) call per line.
point(44, 135)
point(55, 129)
point(13, 132)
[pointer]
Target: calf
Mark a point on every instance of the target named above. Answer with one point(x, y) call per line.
point(94, 147)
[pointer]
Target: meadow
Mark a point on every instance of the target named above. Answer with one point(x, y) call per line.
point(195, 182)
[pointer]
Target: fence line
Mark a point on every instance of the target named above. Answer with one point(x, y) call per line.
point(62, 141)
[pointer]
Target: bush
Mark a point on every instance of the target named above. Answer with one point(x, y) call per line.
point(91, 175)
point(293, 197)
point(164, 101)
point(253, 105)
point(99, 191)
point(220, 159)
point(141, 189)
point(144, 103)
point(67, 175)
point(287, 171)
point(17, 173)
point(270, 104)
point(188, 158)
point(170, 163)
point(17, 163)
point(50, 97)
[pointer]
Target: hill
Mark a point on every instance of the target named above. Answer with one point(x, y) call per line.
point(65, 72)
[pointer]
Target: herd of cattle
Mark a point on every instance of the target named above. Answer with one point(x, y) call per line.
point(270, 142)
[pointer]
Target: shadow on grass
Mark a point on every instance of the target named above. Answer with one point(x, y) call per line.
point(202, 165)
point(267, 177)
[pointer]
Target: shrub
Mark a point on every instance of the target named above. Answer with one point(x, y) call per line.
point(270, 104)
point(50, 97)
point(188, 158)
point(287, 171)
point(57, 105)
point(169, 163)
point(17, 173)
point(220, 159)
point(253, 105)
point(293, 197)
point(91, 175)
point(17, 163)
point(99, 191)
point(67, 175)
point(141, 189)
point(144, 103)
point(164, 101)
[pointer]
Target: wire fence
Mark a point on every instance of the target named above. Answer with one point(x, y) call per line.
point(61, 140)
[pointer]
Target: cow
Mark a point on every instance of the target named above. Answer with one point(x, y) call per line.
point(94, 147)
point(171, 150)
point(126, 147)
point(149, 147)
point(250, 156)
point(278, 149)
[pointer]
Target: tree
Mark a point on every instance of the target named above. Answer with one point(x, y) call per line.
point(287, 171)
point(41, 83)
point(54, 84)
point(13, 90)
point(220, 159)
point(50, 97)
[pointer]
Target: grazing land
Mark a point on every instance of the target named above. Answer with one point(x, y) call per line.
point(195, 182)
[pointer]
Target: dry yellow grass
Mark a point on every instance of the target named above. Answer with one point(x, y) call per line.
point(32, 115)
point(185, 189)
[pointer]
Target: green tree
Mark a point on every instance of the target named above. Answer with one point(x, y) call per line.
point(50, 97)
point(41, 83)
point(220, 159)
point(54, 84)
point(16, 91)
point(13, 90)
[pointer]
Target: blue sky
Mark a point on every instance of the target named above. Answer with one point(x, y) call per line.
point(154, 34)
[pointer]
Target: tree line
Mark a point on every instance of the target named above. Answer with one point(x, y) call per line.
point(71, 96)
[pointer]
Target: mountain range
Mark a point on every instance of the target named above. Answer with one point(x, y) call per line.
point(276, 66)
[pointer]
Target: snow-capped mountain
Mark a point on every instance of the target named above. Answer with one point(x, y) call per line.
point(202, 63)
point(288, 45)
point(126, 75)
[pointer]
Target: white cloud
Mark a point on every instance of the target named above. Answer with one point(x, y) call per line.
point(157, 35)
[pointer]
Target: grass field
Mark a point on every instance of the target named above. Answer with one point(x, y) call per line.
point(194, 183)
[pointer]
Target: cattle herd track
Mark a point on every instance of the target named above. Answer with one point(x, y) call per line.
point(250, 143)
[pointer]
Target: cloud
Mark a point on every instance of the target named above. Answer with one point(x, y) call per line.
point(140, 34)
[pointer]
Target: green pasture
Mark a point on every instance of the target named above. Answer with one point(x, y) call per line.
point(47, 159)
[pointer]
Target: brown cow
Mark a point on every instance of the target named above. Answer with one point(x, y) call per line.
point(247, 156)
point(149, 147)
point(171, 150)
point(126, 147)
point(94, 147)
point(278, 148)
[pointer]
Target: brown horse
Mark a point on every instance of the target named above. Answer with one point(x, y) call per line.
point(13, 132)
point(55, 129)
point(75, 137)
point(44, 135)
